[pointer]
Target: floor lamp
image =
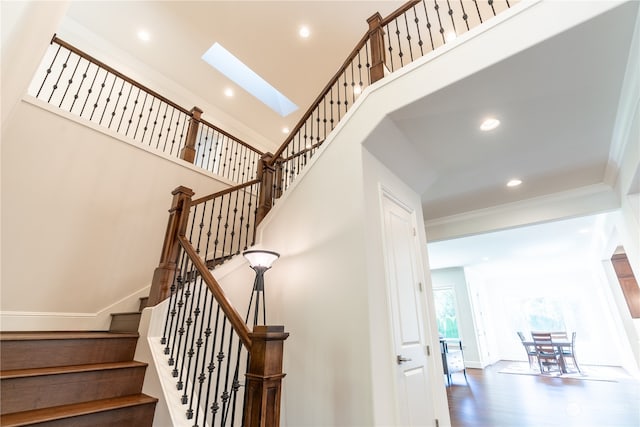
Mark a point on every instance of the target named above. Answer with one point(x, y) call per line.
point(260, 261)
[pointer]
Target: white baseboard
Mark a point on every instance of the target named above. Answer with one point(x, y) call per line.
point(60, 321)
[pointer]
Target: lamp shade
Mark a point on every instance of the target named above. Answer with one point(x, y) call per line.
point(259, 258)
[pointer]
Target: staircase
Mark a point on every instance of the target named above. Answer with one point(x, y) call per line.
point(74, 379)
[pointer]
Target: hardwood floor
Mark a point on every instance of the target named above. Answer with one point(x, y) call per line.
point(493, 399)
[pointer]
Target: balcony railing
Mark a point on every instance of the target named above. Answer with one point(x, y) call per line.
point(76, 82)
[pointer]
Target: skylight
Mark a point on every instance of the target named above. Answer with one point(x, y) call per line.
point(224, 61)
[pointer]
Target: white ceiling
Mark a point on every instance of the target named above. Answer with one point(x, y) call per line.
point(557, 101)
point(563, 241)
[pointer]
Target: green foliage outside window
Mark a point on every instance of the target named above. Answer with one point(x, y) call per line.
point(445, 302)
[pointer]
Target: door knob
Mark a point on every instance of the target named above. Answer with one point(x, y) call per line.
point(401, 359)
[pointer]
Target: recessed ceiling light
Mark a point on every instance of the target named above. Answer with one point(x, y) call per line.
point(304, 32)
point(285, 130)
point(451, 35)
point(490, 124)
point(514, 183)
point(228, 92)
point(144, 35)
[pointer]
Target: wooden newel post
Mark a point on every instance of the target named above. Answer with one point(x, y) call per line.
point(266, 173)
point(176, 226)
point(376, 38)
point(188, 153)
point(264, 377)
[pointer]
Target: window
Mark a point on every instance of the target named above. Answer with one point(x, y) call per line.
point(544, 314)
point(446, 315)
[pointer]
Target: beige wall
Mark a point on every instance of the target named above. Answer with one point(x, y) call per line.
point(83, 219)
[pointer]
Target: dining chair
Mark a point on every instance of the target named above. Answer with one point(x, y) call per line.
point(530, 349)
point(548, 356)
point(559, 336)
point(570, 353)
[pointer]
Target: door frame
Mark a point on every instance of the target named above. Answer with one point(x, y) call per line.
point(433, 359)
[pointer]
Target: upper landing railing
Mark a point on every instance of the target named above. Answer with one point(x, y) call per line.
point(82, 85)
point(75, 82)
point(414, 30)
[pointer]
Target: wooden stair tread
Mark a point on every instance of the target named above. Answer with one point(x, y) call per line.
point(56, 370)
point(76, 409)
point(125, 313)
point(63, 335)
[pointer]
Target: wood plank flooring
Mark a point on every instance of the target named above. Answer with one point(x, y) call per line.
point(492, 399)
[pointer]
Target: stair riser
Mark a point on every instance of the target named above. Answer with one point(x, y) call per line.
point(135, 416)
point(27, 354)
point(23, 394)
point(125, 322)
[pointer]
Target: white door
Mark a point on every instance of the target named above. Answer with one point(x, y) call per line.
point(405, 286)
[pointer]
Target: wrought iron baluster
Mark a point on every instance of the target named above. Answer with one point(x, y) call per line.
point(166, 140)
point(225, 252)
point(55, 85)
point(493, 9)
point(155, 120)
point(450, 12)
point(96, 102)
point(406, 25)
point(389, 46)
point(171, 312)
point(48, 71)
point(183, 333)
point(133, 110)
point(89, 91)
point(195, 309)
point(144, 102)
point(220, 356)
point(180, 306)
point(208, 308)
point(478, 10)
point(77, 94)
point(124, 108)
point(69, 82)
point(465, 17)
point(211, 368)
point(164, 119)
point(106, 105)
point(219, 222)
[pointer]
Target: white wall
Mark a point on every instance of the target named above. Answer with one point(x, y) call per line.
point(83, 220)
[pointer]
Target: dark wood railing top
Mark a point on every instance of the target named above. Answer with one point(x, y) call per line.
point(234, 318)
point(402, 9)
point(146, 89)
point(101, 64)
point(228, 135)
point(223, 192)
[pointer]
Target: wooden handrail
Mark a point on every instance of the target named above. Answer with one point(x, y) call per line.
point(117, 73)
point(329, 85)
point(234, 318)
point(325, 90)
point(223, 192)
point(228, 135)
point(402, 9)
point(301, 152)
